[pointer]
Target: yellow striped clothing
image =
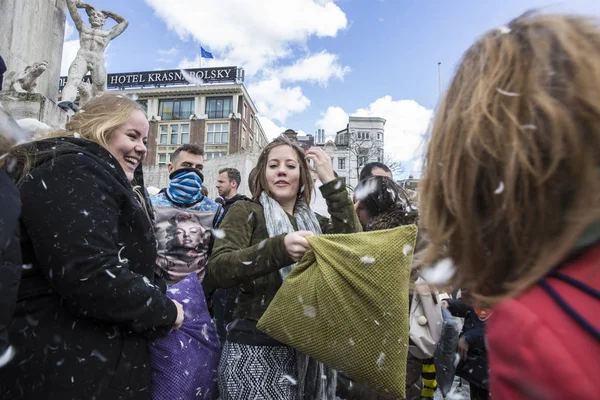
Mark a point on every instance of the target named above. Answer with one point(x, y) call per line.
point(429, 381)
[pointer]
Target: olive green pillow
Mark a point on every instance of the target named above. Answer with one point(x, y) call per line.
point(346, 305)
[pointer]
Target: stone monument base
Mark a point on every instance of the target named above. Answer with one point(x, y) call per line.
point(36, 106)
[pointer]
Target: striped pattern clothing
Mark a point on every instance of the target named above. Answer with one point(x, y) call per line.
point(429, 381)
point(258, 372)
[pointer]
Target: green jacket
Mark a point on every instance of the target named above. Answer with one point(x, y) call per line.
point(248, 258)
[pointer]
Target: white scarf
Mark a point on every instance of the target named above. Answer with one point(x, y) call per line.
point(278, 222)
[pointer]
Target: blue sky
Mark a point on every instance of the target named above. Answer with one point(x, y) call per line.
point(311, 63)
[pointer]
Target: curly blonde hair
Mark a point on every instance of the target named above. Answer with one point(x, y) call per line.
point(511, 176)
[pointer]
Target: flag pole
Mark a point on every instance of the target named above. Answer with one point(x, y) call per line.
point(440, 77)
point(200, 57)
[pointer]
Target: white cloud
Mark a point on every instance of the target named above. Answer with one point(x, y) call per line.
point(170, 52)
point(318, 68)
point(276, 102)
point(334, 119)
point(69, 30)
point(272, 130)
point(70, 49)
point(257, 33)
point(406, 124)
point(206, 62)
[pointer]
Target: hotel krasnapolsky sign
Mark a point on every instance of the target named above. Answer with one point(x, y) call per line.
point(168, 77)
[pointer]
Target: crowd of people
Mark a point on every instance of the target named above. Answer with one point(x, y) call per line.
point(508, 208)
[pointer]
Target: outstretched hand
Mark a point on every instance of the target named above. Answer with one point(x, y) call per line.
point(296, 244)
point(322, 163)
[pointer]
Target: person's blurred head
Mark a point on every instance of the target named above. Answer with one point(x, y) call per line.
point(228, 182)
point(187, 156)
point(511, 176)
point(282, 172)
point(374, 169)
point(383, 204)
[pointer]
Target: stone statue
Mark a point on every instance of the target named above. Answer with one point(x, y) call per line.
point(85, 93)
point(93, 42)
point(24, 82)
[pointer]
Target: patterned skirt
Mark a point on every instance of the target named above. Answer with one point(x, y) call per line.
point(257, 372)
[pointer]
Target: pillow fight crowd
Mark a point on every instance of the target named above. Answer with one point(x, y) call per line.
point(99, 279)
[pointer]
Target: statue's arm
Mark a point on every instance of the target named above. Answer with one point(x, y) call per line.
point(73, 6)
point(121, 24)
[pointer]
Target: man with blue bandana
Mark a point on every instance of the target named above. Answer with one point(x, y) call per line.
point(184, 217)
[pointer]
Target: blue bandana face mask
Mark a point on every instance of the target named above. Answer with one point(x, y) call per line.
point(185, 187)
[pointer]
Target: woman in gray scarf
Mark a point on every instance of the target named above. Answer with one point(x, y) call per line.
point(262, 242)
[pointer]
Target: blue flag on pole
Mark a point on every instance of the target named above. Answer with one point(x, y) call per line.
point(204, 53)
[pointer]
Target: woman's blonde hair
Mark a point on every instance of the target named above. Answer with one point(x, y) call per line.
point(512, 174)
point(96, 121)
point(258, 176)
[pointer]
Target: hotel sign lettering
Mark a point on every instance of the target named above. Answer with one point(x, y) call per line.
point(168, 77)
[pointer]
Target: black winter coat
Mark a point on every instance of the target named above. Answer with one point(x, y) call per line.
point(10, 259)
point(475, 368)
point(87, 301)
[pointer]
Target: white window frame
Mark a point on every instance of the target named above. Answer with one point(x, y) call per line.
point(211, 139)
point(169, 132)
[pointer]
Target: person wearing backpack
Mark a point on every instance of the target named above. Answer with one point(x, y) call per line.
point(511, 195)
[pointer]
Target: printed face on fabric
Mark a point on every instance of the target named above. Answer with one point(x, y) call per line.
point(128, 143)
point(188, 234)
point(186, 231)
point(187, 160)
point(283, 174)
point(224, 185)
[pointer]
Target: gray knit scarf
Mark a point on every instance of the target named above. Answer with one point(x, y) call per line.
point(316, 381)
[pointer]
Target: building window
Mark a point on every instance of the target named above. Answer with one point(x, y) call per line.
point(175, 109)
point(380, 155)
point(341, 163)
point(185, 133)
point(212, 155)
point(243, 138)
point(164, 134)
point(363, 156)
point(245, 110)
point(342, 139)
point(218, 107)
point(363, 135)
point(174, 134)
point(217, 133)
point(162, 158)
point(379, 136)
